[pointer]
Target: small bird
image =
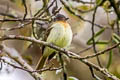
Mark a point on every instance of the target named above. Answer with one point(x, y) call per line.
point(60, 35)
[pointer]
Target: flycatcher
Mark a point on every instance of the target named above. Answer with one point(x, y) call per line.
point(60, 35)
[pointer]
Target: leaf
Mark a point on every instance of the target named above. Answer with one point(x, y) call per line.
point(116, 36)
point(110, 59)
point(12, 1)
point(72, 78)
point(89, 42)
point(98, 2)
point(116, 39)
point(99, 42)
point(102, 42)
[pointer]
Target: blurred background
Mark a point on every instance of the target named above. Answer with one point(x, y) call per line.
point(105, 17)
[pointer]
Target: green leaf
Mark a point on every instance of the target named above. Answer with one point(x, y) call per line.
point(72, 78)
point(89, 42)
point(102, 42)
point(110, 59)
point(12, 0)
point(116, 39)
point(99, 42)
point(99, 2)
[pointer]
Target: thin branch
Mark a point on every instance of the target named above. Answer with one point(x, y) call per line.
point(102, 52)
point(84, 2)
point(118, 27)
point(84, 50)
point(8, 14)
point(47, 8)
point(93, 74)
point(20, 26)
point(30, 71)
point(63, 66)
point(25, 20)
point(20, 61)
point(72, 12)
point(93, 38)
point(25, 6)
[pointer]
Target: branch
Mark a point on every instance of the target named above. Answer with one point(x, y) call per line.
point(93, 38)
point(68, 53)
point(74, 13)
point(25, 6)
point(28, 70)
point(17, 58)
point(102, 52)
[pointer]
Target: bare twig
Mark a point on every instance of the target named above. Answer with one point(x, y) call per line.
point(93, 39)
point(84, 2)
point(30, 71)
point(25, 20)
point(20, 61)
point(63, 66)
point(102, 52)
point(8, 14)
point(93, 74)
point(118, 27)
point(25, 6)
point(72, 12)
point(47, 8)
point(84, 50)
point(18, 27)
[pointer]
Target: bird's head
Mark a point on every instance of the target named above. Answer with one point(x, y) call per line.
point(60, 17)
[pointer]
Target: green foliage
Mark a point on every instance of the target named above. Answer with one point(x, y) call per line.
point(110, 59)
point(98, 2)
point(12, 0)
point(116, 39)
point(90, 41)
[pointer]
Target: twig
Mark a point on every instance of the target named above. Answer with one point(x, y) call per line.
point(25, 20)
point(118, 27)
point(8, 14)
point(30, 71)
point(72, 12)
point(93, 39)
point(63, 66)
point(93, 74)
point(101, 52)
point(20, 61)
point(84, 2)
point(25, 6)
point(84, 50)
point(18, 27)
point(47, 8)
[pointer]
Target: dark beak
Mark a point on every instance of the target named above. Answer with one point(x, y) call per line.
point(66, 19)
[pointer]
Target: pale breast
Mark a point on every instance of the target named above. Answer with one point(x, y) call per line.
point(60, 35)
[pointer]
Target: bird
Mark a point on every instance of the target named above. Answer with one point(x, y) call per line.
point(60, 34)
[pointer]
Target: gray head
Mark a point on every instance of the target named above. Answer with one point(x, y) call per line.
point(60, 17)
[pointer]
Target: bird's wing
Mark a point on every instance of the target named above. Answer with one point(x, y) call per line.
point(47, 32)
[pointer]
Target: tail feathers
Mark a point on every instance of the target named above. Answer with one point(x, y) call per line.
point(41, 63)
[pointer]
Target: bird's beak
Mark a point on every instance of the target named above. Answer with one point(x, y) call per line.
point(66, 19)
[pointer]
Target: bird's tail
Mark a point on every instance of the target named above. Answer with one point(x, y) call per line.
point(41, 63)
